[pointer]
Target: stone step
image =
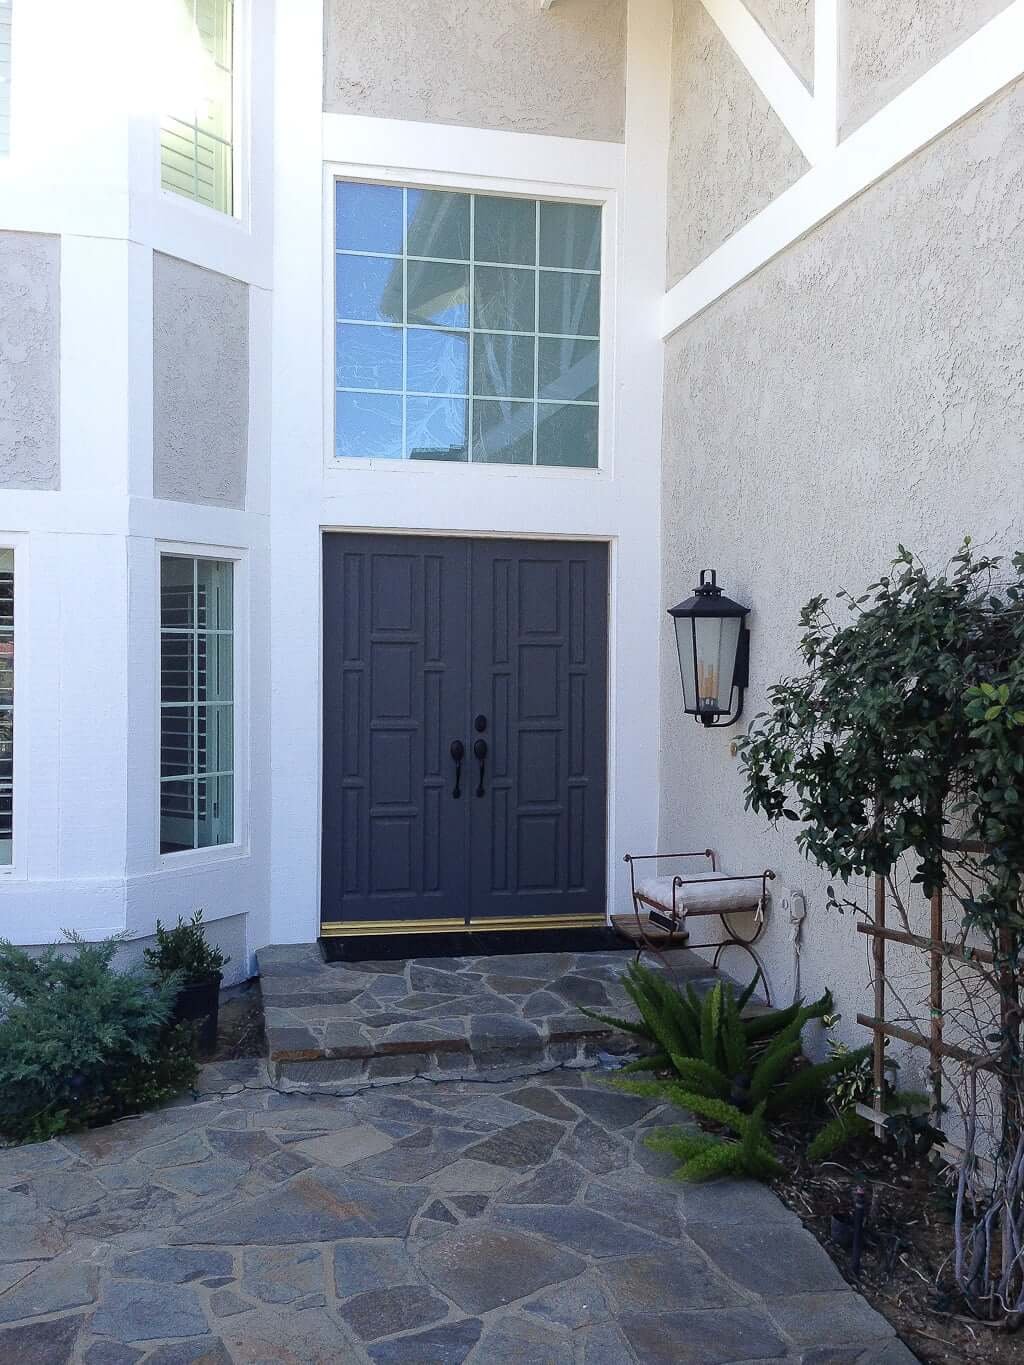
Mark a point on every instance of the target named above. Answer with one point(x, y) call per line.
point(345, 1026)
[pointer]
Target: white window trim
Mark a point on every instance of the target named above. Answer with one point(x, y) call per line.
point(241, 136)
point(603, 196)
point(239, 847)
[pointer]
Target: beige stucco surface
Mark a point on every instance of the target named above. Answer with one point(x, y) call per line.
point(200, 384)
point(889, 44)
point(482, 63)
point(790, 25)
point(865, 388)
point(729, 155)
point(29, 360)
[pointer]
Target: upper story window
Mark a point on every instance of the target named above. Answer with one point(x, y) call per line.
point(197, 713)
point(466, 327)
point(197, 137)
point(6, 706)
point(5, 76)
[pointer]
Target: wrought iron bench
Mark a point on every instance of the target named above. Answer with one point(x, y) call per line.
point(672, 901)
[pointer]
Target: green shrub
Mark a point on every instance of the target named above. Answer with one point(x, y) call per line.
point(184, 950)
point(732, 1071)
point(82, 1044)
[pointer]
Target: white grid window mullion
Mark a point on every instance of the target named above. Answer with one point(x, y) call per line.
point(536, 330)
point(471, 319)
point(405, 323)
point(470, 328)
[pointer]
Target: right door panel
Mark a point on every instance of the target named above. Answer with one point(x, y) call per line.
point(539, 680)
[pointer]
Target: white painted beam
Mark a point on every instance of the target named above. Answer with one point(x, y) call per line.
point(826, 70)
point(976, 71)
point(775, 78)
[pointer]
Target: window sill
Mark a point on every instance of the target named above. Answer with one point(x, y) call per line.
point(201, 857)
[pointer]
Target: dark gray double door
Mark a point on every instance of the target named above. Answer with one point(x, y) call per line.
point(465, 696)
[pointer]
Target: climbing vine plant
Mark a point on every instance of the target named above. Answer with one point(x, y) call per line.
point(902, 744)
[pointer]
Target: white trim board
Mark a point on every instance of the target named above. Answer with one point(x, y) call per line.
point(404, 145)
point(810, 119)
point(980, 68)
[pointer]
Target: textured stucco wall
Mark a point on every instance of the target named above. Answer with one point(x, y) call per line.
point(889, 44)
point(29, 360)
point(482, 63)
point(200, 384)
point(790, 25)
point(865, 388)
point(729, 155)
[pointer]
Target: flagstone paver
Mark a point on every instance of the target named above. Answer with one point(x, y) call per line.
point(469, 1221)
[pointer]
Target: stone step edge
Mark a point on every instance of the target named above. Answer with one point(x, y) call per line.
point(588, 1051)
point(418, 1046)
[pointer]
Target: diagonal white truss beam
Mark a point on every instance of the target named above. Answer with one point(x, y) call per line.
point(809, 118)
point(960, 83)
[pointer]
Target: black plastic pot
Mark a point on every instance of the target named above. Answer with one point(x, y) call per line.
point(199, 1003)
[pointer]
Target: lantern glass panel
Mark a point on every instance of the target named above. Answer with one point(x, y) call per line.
point(684, 646)
point(717, 639)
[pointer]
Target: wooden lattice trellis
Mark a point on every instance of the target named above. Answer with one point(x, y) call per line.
point(940, 951)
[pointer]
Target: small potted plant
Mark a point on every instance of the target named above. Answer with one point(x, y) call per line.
point(184, 950)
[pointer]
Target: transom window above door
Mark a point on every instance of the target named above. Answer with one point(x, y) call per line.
point(466, 327)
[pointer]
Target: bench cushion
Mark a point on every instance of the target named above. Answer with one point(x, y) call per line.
point(701, 894)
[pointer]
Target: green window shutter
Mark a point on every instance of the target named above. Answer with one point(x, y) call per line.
point(5, 76)
point(197, 144)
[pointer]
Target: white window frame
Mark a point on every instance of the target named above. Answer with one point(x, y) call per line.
point(20, 796)
point(5, 152)
point(239, 559)
point(601, 197)
point(241, 128)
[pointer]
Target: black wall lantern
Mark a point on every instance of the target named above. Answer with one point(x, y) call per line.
point(714, 652)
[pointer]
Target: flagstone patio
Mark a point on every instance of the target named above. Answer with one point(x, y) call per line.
point(517, 1221)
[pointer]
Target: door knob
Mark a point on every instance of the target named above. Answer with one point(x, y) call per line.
point(458, 753)
point(480, 753)
point(480, 724)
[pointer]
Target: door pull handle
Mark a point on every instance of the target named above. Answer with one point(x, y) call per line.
point(458, 753)
point(480, 753)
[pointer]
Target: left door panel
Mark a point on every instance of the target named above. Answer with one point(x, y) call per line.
point(394, 693)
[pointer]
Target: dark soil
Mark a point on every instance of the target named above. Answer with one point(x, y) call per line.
point(240, 1023)
point(909, 1239)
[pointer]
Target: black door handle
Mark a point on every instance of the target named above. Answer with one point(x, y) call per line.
point(480, 752)
point(458, 753)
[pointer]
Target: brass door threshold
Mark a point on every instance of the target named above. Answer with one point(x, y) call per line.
point(369, 927)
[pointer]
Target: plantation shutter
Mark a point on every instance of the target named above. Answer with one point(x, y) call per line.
point(6, 704)
point(5, 77)
point(196, 143)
